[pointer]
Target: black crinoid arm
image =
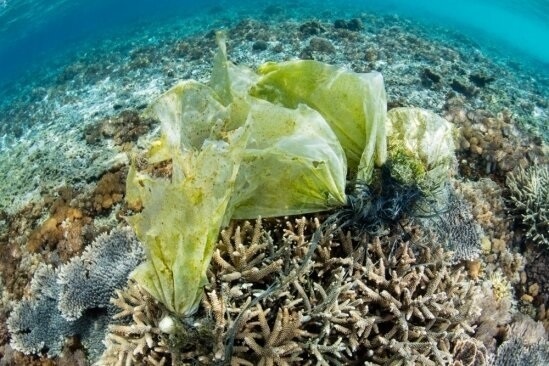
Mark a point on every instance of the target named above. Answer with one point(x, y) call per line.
point(373, 208)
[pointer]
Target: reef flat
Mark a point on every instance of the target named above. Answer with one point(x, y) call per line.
point(64, 154)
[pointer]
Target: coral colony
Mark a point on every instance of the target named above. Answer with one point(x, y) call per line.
point(284, 217)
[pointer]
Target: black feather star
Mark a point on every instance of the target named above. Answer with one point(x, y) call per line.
point(372, 208)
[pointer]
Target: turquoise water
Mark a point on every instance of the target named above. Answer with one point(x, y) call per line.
point(40, 40)
point(33, 30)
point(77, 79)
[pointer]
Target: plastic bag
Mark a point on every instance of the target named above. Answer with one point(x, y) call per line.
point(353, 104)
point(421, 148)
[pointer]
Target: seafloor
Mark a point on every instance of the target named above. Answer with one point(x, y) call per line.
point(68, 130)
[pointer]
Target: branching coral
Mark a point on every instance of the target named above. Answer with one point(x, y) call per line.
point(336, 297)
point(140, 342)
point(276, 344)
point(245, 258)
point(530, 199)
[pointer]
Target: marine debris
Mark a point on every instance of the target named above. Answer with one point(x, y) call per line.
point(379, 262)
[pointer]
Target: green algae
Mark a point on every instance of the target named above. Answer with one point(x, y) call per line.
point(421, 148)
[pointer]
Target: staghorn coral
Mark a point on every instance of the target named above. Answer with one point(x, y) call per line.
point(73, 299)
point(138, 341)
point(530, 200)
point(336, 297)
point(276, 344)
point(242, 260)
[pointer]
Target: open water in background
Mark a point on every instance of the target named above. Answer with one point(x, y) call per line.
point(33, 30)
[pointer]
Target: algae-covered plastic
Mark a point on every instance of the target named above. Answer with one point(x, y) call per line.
point(421, 148)
point(232, 155)
point(274, 144)
point(354, 105)
point(292, 164)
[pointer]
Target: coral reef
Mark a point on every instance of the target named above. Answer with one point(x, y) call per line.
point(530, 200)
point(135, 338)
point(125, 128)
point(61, 229)
point(514, 352)
point(454, 226)
point(37, 325)
point(88, 281)
point(57, 227)
point(271, 285)
point(498, 305)
point(469, 352)
point(74, 299)
point(491, 144)
point(373, 208)
point(280, 295)
point(109, 191)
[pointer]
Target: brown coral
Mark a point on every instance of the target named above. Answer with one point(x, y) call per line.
point(109, 191)
point(140, 342)
point(122, 129)
point(62, 229)
point(332, 298)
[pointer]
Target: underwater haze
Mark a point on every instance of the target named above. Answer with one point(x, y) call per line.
point(32, 30)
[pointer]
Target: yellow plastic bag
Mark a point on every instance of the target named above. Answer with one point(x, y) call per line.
point(353, 104)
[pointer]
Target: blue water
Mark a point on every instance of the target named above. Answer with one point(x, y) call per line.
point(31, 31)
